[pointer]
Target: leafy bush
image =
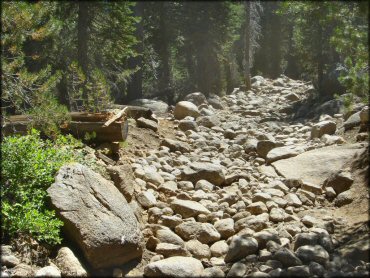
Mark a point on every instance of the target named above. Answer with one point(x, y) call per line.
point(28, 168)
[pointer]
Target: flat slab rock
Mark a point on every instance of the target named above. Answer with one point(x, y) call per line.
point(203, 171)
point(177, 266)
point(316, 165)
point(96, 216)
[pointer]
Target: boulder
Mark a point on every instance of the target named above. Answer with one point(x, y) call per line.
point(353, 121)
point(204, 232)
point(68, 264)
point(240, 247)
point(321, 128)
point(185, 125)
point(219, 248)
point(123, 179)
point(208, 121)
point(215, 102)
point(96, 216)
point(313, 253)
point(175, 145)
point(197, 249)
point(305, 166)
point(146, 199)
point(48, 271)
point(264, 146)
point(343, 198)
point(23, 270)
point(185, 108)
point(283, 152)
point(168, 236)
point(203, 171)
point(171, 250)
point(146, 123)
point(174, 267)
point(287, 257)
point(154, 105)
point(197, 98)
point(340, 181)
point(225, 227)
point(188, 208)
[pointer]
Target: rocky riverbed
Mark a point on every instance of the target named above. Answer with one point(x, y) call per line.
point(233, 187)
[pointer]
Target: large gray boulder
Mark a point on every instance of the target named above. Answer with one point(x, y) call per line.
point(154, 105)
point(203, 171)
point(240, 247)
point(177, 266)
point(197, 98)
point(96, 216)
point(185, 108)
point(317, 165)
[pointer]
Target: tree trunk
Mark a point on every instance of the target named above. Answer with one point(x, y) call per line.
point(135, 86)
point(83, 22)
point(247, 73)
point(165, 83)
point(320, 62)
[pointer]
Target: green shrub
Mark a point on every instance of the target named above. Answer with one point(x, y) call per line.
point(28, 168)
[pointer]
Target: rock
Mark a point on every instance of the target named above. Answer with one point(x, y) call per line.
point(146, 199)
point(264, 146)
point(185, 108)
point(214, 271)
point(48, 271)
point(298, 271)
point(215, 102)
point(219, 248)
point(310, 187)
point(293, 200)
point(364, 115)
point(9, 260)
point(287, 257)
point(313, 253)
point(321, 128)
point(292, 97)
point(309, 221)
point(340, 181)
point(263, 237)
point(277, 215)
point(198, 249)
point(146, 123)
point(208, 121)
point(204, 232)
point(283, 152)
point(225, 227)
point(68, 264)
point(169, 188)
point(240, 247)
point(204, 185)
point(152, 176)
point(154, 105)
point(305, 239)
point(305, 166)
point(343, 198)
point(171, 250)
point(123, 179)
point(316, 269)
point(174, 145)
point(257, 208)
point(22, 270)
point(237, 270)
point(203, 170)
point(353, 121)
point(332, 139)
point(174, 267)
point(188, 208)
point(185, 125)
point(197, 98)
point(168, 236)
point(96, 216)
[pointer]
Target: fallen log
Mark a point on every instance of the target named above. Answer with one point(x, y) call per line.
point(97, 132)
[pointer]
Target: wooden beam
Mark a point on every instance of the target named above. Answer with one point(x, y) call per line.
point(116, 117)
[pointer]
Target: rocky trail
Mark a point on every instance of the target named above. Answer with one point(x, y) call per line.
point(228, 186)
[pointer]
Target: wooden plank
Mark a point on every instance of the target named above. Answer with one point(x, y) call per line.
point(116, 117)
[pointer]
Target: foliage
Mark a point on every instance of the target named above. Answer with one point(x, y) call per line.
point(28, 168)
